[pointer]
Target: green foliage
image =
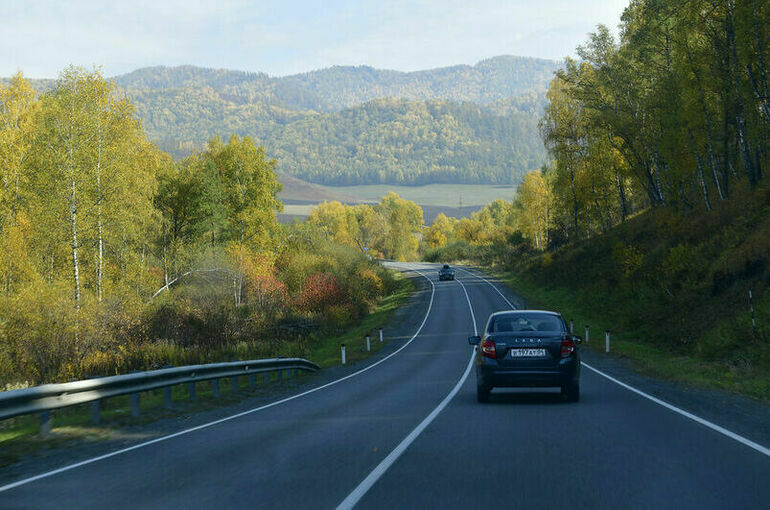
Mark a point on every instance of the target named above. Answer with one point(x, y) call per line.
point(459, 124)
point(116, 258)
point(675, 114)
point(405, 142)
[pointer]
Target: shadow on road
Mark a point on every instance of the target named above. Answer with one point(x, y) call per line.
point(501, 397)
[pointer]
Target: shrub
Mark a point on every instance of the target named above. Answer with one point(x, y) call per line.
point(320, 291)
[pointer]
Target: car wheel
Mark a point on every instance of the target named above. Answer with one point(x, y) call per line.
point(571, 391)
point(482, 393)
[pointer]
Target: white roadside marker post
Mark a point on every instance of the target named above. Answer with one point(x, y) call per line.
point(572, 326)
point(342, 349)
point(380, 335)
point(607, 341)
point(368, 343)
point(586, 333)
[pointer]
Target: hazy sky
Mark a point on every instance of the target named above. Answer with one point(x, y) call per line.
point(280, 37)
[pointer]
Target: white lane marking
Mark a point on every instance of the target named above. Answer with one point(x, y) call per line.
point(713, 426)
point(702, 421)
point(491, 285)
point(227, 418)
point(355, 496)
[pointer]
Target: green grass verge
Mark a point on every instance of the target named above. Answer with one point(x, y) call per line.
point(20, 437)
point(326, 352)
point(742, 379)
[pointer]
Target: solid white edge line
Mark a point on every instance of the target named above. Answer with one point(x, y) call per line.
point(227, 418)
point(491, 285)
point(362, 488)
point(713, 426)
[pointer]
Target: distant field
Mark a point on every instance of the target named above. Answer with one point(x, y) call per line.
point(450, 195)
point(299, 196)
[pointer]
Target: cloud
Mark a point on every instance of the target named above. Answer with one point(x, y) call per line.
point(41, 37)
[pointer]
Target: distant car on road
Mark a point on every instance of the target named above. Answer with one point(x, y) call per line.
point(446, 273)
point(527, 348)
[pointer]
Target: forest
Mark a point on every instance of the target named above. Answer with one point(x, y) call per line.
point(344, 125)
point(114, 257)
point(652, 214)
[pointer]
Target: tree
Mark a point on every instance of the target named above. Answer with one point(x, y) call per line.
point(440, 232)
point(18, 107)
point(404, 222)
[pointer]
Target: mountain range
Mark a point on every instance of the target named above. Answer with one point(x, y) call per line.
point(358, 125)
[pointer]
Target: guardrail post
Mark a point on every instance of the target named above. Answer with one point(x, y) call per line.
point(234, 383)
point(46, 423)
point(572, 326)
point(191, 390)
point(607, 341)
point(368, 343)
point(280, 375)
point(380, 335)
point(215, 388)
point(167, 397)
point(135, 405)
point(296, 372)
point(586, 333)
point(342, 349)
point(96, 407)
point(267, 377)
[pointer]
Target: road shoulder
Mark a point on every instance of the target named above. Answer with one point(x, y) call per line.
point(59, 451)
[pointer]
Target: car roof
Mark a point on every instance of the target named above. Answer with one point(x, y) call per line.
point(506, 312)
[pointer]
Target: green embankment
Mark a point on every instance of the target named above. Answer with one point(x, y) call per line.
point(19, 437)
point(673, 291)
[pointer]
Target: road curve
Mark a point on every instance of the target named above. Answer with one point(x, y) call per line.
point(408, 433)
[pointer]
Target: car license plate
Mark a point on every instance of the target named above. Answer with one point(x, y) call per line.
point(527, 353)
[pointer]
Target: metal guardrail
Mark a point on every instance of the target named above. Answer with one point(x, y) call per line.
point(49, 397)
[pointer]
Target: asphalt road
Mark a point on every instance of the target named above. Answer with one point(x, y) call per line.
point(408, 433)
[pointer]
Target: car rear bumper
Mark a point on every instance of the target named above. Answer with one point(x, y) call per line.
point(490, 374)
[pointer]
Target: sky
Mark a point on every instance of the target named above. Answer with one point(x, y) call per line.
point(280, 37)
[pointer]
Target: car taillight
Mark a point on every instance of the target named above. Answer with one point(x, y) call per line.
point(567, 347)
point(488, 349)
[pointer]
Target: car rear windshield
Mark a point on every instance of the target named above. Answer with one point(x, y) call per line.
point(534, 321)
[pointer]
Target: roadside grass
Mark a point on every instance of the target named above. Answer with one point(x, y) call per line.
point(742, 378)
point(326, 351)
point(20, 437)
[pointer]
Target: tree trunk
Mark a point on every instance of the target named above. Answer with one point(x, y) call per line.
point(574, 201)
point(761, 87)
point(621, 196)
point(99, 198)
point(74, 232)
point(740, 119)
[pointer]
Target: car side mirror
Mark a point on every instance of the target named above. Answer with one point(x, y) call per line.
point(577, 339)
point(474, 340)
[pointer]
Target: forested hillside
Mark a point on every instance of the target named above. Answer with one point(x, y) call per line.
point(487, 81)
point(340, 87)
point(653, 217)
point(403, 142)
point(343, 125)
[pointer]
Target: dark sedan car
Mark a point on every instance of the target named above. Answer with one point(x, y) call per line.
point(446, 273)
point(527, 348)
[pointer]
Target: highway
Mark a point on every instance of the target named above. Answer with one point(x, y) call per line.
point(407, 432)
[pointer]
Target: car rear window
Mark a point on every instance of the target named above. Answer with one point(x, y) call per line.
point(519, 322)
